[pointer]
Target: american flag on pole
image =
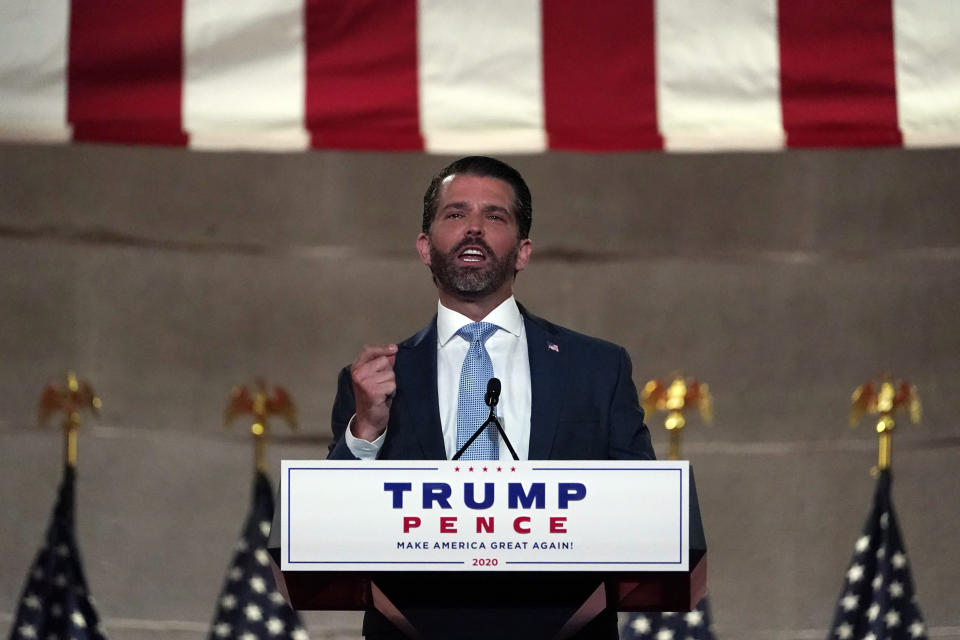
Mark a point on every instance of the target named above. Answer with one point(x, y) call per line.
point(452, 76)
point(55, 603)
point(250, 607)
point(878, 600)
point(679, 625)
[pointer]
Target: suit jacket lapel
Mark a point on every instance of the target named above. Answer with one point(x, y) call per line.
point(416, 369)
point(547, 366)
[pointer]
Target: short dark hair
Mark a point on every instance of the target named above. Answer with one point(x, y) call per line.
point(483, 167)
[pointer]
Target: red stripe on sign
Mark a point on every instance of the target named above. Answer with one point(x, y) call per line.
point(599, 75)
point(125, 71)
point(838, 78)
point(362, 74)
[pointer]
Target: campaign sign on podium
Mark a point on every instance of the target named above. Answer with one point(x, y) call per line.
point(578, 516)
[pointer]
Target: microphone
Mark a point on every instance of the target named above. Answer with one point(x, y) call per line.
point(493, 393)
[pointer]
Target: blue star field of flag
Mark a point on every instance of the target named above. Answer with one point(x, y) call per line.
point(55, 603)
point(878, 601)
point(250, 607)
point(682, 625)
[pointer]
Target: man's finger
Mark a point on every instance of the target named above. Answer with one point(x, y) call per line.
point(381, 378)
point(374, 370)
point(374, 351)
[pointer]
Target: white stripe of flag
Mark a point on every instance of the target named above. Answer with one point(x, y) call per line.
point(33, 71)
point(481, 79)
point(928, 71)
point(718, 75)
point(244, 68)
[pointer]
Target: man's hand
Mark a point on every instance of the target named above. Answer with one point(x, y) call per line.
point(374, 384)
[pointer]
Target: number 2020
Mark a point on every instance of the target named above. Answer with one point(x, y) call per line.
point(485, 562)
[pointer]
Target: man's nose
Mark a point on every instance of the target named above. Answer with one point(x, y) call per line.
point(475, 225)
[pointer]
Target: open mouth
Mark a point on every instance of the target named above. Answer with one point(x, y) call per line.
point(472, 255)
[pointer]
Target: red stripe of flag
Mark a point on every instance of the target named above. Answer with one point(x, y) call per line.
point(126, 71)
point(838, 78)
point(599, 63)
point(362, 74)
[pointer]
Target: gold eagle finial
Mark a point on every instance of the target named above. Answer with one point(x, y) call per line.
point(71, 399)
point(261, 402)
point(676, 398)
point(884, 398)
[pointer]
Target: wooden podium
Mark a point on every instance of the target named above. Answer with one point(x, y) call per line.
point(471, 604)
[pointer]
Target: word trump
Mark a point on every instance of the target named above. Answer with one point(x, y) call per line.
point(535, 497)
point(440, 495)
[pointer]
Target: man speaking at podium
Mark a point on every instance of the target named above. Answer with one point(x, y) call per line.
point(565, 396)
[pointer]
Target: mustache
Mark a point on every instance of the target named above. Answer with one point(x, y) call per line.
point(473, 242)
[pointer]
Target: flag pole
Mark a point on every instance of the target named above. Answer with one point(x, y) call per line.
point(878, 598)
point(251, 603)
point(675, 398)
point(70, 433)
point(55, 596)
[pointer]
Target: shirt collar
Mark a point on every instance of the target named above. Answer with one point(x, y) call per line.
point(506, 316)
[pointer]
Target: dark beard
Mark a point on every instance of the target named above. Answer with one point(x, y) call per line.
point(472, 283)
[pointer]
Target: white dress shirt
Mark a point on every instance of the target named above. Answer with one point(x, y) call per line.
point(511, 364)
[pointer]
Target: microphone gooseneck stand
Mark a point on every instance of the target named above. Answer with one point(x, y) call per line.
point(491, 399)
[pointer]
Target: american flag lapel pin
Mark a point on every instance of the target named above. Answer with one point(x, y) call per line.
point(553, 347)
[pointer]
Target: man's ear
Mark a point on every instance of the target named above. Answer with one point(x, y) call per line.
point(423, 248)
point(523, 254)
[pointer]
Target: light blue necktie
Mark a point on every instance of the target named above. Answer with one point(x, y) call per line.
point(471, 409)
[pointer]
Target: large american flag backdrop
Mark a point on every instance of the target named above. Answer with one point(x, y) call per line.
point(450, 76)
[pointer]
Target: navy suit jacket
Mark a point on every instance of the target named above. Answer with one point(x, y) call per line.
point(584, 402)
point(584, 407)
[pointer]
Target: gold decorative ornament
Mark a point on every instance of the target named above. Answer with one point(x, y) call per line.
point(884, 398)
point(676, 398)
point(261, 403)
point(72, 398)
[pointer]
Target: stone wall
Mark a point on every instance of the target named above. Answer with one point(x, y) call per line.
point(784, 280)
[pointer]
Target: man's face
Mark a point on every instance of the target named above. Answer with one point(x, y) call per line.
point(472, 247)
